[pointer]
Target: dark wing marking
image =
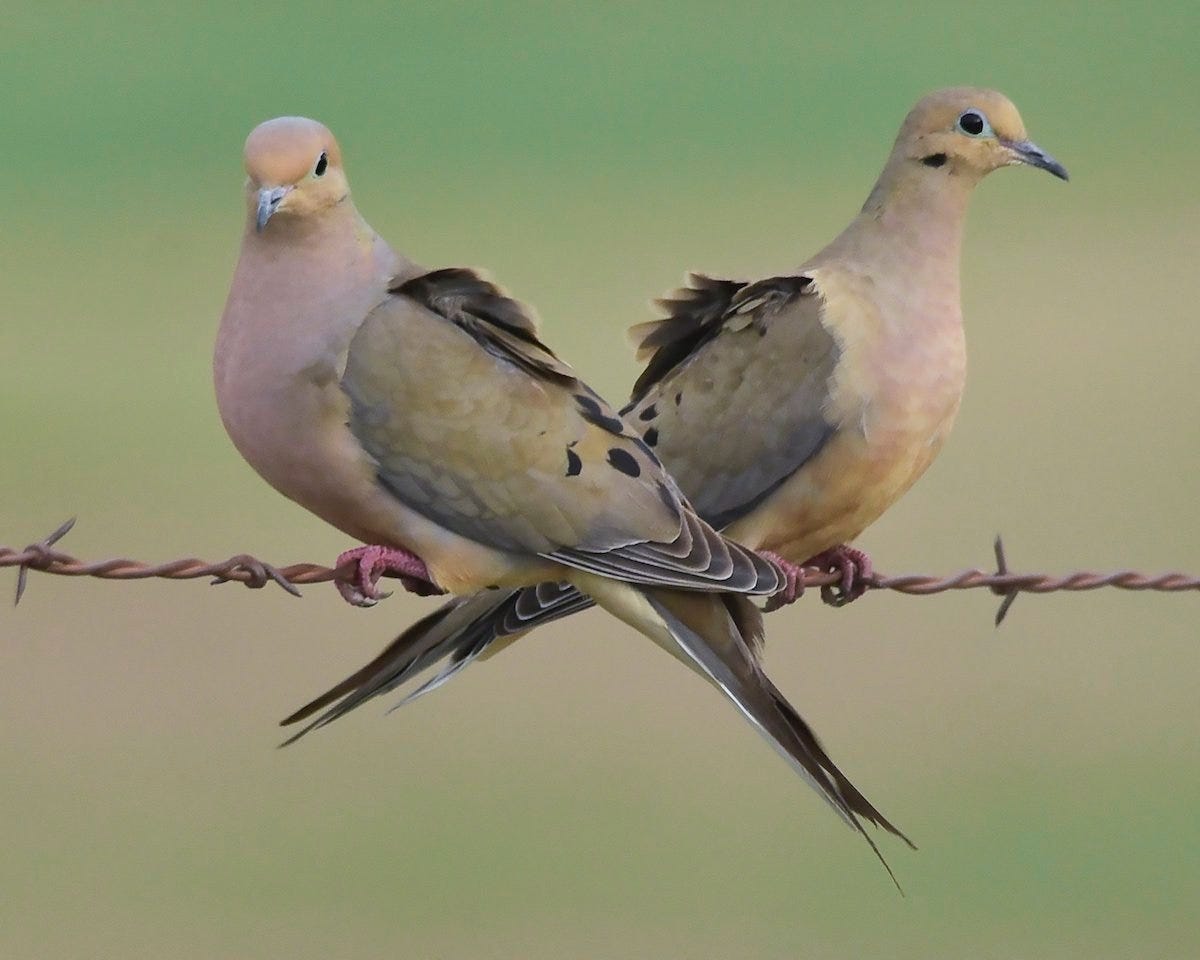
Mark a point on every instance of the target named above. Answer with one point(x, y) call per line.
point(694, 315)
point(502, 326)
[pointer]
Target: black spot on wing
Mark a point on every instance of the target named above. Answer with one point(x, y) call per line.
point(624, 461)
point(592, 412)
point(574, 464)
point(651, 437)
point(649, 413)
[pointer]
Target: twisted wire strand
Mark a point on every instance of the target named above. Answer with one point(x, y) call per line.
point(254, 573)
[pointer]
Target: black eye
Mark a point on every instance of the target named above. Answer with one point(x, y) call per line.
point(972, 123)
point(322, 163)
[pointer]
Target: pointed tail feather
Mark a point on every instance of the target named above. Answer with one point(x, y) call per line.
point(718, 636)
point(394, 658)
point(458, 633)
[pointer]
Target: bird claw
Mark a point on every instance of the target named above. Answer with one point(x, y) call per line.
point(793, 588)
point(855, 568)
point(371, 563)
point(361, 596)
point(851, 564)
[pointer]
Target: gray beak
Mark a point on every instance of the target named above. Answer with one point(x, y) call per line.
point(1026, 151)
point(269, 199)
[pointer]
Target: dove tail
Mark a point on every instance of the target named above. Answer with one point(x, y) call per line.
point(455, 635)
point(718, 636)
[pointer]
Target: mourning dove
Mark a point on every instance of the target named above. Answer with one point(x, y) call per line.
point(795, 410)
point(419, 412)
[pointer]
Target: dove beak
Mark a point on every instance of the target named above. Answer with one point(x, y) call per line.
point(1026, 151)
point(269, 199)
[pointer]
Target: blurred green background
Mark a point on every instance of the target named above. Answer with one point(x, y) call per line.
point(581, 796)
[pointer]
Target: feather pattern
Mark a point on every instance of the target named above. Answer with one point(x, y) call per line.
point(558, 475)
point(504, 327)
point(697, 382)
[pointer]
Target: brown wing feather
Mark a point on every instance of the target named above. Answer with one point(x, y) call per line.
point(501, 325)
point(748, 365)
point(694, 314)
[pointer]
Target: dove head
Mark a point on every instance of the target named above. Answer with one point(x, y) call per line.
point(968, 132)
point(295, 171)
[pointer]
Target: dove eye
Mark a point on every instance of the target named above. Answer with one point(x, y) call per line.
point(322, 164)
point(973, 124)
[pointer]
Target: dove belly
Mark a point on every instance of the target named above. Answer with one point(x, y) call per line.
point(833, 499)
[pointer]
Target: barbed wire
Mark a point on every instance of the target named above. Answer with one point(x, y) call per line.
point(254, 573)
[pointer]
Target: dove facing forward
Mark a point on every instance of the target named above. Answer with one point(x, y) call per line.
point(420, 412)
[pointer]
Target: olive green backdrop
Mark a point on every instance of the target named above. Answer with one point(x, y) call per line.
point(580, 795)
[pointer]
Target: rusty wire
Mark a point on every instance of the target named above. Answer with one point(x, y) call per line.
point(243, 568)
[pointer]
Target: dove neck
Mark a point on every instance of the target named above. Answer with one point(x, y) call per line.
point(913, 221)
point(331, 271)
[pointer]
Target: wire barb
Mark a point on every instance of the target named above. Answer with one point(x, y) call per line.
point(1009, 594)
point(254, 573)
point(39, 556)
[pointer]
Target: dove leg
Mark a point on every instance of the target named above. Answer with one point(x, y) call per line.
point(373, 562)
point(854, 566)
point(793, 589)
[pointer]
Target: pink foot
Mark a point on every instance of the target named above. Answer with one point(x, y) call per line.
point(373, 562)
point(793, 588)
point(855, 568)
